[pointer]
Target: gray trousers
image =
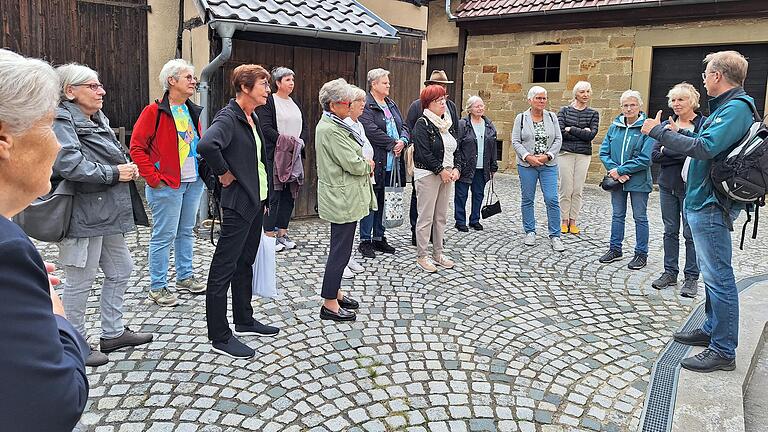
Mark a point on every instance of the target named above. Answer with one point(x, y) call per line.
point(82, 258)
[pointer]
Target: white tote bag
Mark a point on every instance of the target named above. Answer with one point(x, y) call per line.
point(264, 267)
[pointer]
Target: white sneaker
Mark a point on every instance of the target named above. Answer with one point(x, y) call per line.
point(557, 244)
point(348, 274)
point(287, 242)
point(355, 266)
point(279, 246)
point(530, 239)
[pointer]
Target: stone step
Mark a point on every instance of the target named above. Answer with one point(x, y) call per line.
point(756, 394)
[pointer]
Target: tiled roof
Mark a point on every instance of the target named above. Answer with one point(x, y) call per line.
point(497, 8)
point(330, 19)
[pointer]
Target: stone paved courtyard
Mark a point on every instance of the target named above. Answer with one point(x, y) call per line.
point(513, 338)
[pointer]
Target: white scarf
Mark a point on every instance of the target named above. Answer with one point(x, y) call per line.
point(442, 123)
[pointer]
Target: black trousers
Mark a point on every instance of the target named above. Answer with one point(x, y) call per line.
point(281, 204)
point(414, 213)
point(232, 264)
point(342, 238)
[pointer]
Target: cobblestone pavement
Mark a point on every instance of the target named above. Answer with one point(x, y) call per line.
point(513, 338)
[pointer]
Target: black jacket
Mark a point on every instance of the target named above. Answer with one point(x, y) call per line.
point(268, 119)
point(428, 148)
point(468, 148)
point(376, 131)
point(578, 140)
point(671, 162)
point(415, 111)
point(42, 364)
point(229, 145)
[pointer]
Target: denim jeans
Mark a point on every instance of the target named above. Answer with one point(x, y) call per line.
point(174, 212)
point(639, 214)
point(460, 198)
point(372, 226)
point(547, 176)
point(714, 252)
point(671, 214)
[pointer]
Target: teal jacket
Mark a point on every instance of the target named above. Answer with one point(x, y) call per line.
point(727, 124)
point(629, 151)
point(344, 190)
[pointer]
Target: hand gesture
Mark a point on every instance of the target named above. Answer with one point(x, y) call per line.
point(650, 123)
point(672, 125)
point(624, 178)
point(455, 174)
point(227, 178)
point(614, 173)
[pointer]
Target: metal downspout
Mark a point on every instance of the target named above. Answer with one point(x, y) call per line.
point(451, 17)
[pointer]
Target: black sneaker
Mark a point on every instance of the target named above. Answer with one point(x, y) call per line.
point(610, 256)
point(462, 228)
point(366, 249)
point(665, 280)
point(476, 226)
point(690, 288)
point(233, 348)
point(127, 339)
point(383, 246)
point(638, 262)
point(693, 338)
point(257, 329)
point(708, 361)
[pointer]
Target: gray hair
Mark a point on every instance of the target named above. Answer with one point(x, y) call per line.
point(731, 64)
point(281, 72)
point(631, 94)
point(536, 90)
point(472, 101)
point(356, 93)
point(581, 85)
point(29, 91)
point(174, 68)
point(337, 90)
point(376, 74)
point(684, 90)
point(74, 74)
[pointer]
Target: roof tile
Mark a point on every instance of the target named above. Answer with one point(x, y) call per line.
point(495, 8)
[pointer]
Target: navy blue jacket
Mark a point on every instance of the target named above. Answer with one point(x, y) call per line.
point(42, 362)
point(671, 162)
point(375, 126)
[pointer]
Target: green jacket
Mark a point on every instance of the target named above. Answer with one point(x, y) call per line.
point(344, 190)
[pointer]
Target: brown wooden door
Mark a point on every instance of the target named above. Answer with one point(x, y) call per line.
point(446, 62)
point(314, 66)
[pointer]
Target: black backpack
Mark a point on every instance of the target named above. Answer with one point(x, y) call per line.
point(740, 174)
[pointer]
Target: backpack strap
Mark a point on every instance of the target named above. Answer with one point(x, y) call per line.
point(157, 122)
point(751, 106)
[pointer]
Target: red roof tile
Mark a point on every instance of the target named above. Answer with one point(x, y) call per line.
point(496, 8)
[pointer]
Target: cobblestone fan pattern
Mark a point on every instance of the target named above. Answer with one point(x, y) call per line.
point(513, 338)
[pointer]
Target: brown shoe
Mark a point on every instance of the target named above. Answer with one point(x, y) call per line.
point(443, 261)
point(426, 264)
point(127, 339)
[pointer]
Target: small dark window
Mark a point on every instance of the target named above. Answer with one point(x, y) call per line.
point(499, 150)
point(546, 67)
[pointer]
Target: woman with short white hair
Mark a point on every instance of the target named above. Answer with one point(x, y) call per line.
point(578, 124)
point(164, 147)
point(92, 158)
point(626, 155)
point(536, 139)
point(42, 363)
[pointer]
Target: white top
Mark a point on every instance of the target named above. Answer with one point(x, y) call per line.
point(449, 146)
point(287, 116)
point(367, 147)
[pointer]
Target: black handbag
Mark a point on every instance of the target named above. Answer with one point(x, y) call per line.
point(490, 209)
point(609, 184)
point(47, 218)
point(139, 213)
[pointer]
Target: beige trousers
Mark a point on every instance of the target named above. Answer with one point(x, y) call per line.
point(432, 198)
point(573, 172)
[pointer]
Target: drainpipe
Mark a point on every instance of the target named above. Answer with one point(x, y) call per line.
point(451, 17)
point(225, 31)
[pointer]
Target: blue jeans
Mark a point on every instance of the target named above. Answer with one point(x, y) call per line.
point(460, 199)
point(714, 252)
point(671, 213)
point(547, 176)
point(639, 214)
point(174, 212)
point(372, 226)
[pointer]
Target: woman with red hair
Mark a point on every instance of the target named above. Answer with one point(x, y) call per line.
point(438, 164)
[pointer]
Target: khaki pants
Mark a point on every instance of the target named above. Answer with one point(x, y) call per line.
point(573, 172)
point(432, 198)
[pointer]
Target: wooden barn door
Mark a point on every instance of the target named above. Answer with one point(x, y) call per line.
point(314, 66)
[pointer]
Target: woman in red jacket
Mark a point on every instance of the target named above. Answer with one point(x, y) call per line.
point(164, 147)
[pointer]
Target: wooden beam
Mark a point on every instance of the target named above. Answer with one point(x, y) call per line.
point(459, 73)
point(447, 50)
point(122, 4)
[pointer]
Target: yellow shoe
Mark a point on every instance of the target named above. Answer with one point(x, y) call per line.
point(564, 229)
point(574, 229)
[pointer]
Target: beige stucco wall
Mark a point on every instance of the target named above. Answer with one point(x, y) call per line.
point(441, 32)
point(498, 67)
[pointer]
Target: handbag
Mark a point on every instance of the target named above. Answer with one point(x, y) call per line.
point(47, 218)
point(393, 199)
point(409, 164)
point(490, 209)
point(139, 213)
point(264, 283)
point(609, 184)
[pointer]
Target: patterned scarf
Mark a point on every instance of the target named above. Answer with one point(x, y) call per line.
point(442, 123)
point(336, 119)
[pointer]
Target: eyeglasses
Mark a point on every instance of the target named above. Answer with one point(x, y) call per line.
point(191, 78)
point(93, 87)
point(630, 106)
point(265, 84)
point(441, 100)
point(704, 75)
point(345, 103)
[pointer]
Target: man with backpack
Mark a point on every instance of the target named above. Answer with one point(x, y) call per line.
point(709, 213)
